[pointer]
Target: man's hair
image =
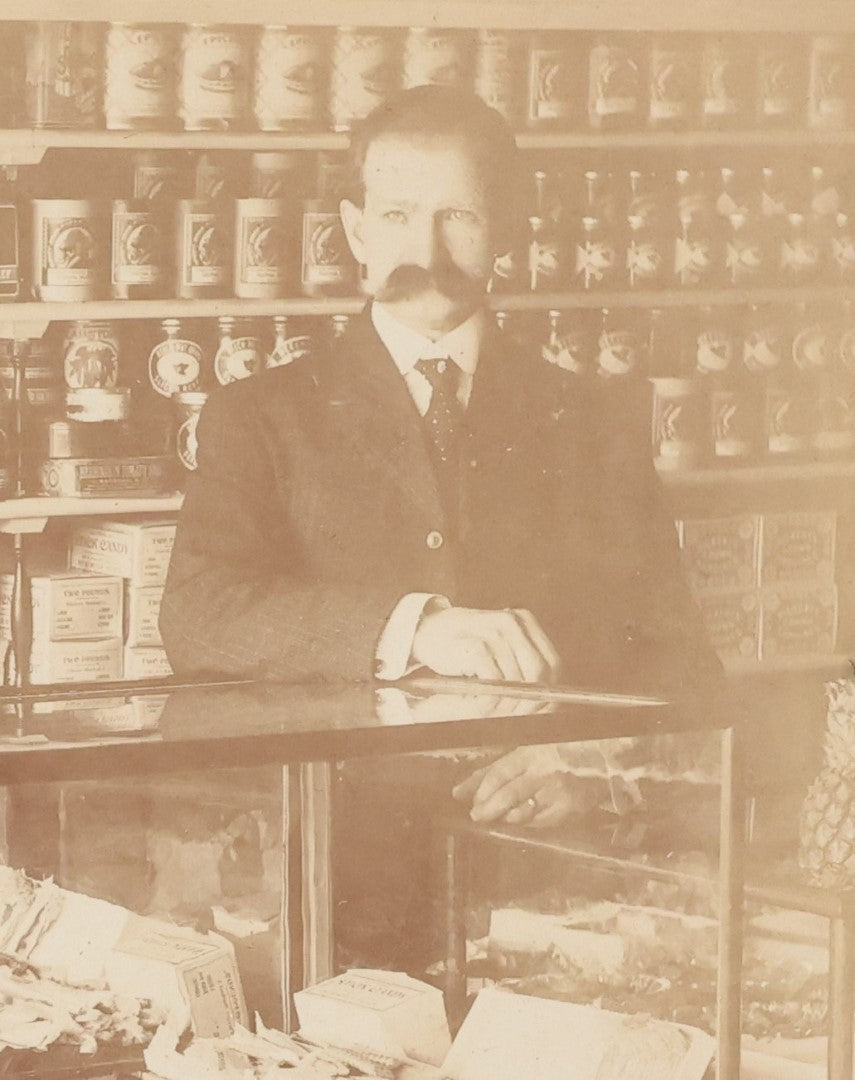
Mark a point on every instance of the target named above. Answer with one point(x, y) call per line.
point(425, 112)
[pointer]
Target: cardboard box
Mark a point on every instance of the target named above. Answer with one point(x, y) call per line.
point(106, 476)
point(75, 661)
point(142, 608)
point(732, 621)
point(798, 620)
point(721, 553)
point(69, 604)
point(146, 662)
point(797, 547)
point(138, 551)
point(385, 1011)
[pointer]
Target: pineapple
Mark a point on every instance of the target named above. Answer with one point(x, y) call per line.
point(827, 823)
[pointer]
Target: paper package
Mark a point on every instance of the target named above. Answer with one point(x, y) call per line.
point(138, 551)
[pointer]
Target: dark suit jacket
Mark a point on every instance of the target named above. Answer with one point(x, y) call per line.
point(309, 516)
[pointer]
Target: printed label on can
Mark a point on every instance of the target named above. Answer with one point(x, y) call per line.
point(363, 75)
point(496, 71)
point(213, 85)
point(205, 253)
point(743, 258)
point(596, 260)
point(186, 443)
point(91, 362)
point(69, 251)
point(544, 263)
point(432, 57)
point(811, 348)
point(550, 85)
point(715, 351)
point(786, 427)
point(670, 85)
point(571, 350)
point(289, 77)
point(618, 352)
point(262, 251)
point(155, 181)
point(141, 73)
point(137, 249)
point(761, 350)
point(614, 81)
point(676, 423)
point(733, 430)
point(325, 251)
point(724, 85)
point(644, 261)
point(287, 350)
point(174, 366)
point(778, 82)
point(238, 358)
point(693, 261)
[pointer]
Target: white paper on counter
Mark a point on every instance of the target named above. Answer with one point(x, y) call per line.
point(508, 1036)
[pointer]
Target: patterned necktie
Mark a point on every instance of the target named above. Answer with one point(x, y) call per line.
point(444, 411)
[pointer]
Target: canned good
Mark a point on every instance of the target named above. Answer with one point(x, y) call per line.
point(696, 251)
point(141, 76)
point(364, 72)
point(175, 363)
point(214, 84)
point(785, 420)
point(290, 77)
point(614, 83)
point(138, 252)
point(91, 355)
point(68, 249)
point(63, 74)
point(673, 92)
point(726, 90)
point(834, 419)
point(204, 250)
point(157, 176)
point(239, 353)
point(553, 81)
point(781, 72)
point(829, 83)
point(645, 253)
point(327, 265)
point(812, 347)
point(275, 175)
point(572, 341)
point(498, 60)
point(734, 426)
point(188, 406)
point(677, 433)
point(94, 405)
point(435, 55)
point(288, 345)
point(261, 248)
point(619, 345)
point(40, 379)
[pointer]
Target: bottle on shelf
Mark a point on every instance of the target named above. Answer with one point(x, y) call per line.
point(673, 89)
point(787, 406)
point(800, 253)
point(141, 77)
point(11, 74)
point(214, 79)
point(276, 175)
point(158, 177)
point(697, 251)
point(240, 353)
point(614, 82)
point(11, 261)
point(597, 264)
point(187, 408)
point(571, 341)
point(175, 362)
point(841, 255)
point(620, 344)
point(745, 256)
point(648, 244)
point(290, 77)
point(289, 343)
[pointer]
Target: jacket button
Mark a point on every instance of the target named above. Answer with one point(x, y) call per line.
point(434, 540)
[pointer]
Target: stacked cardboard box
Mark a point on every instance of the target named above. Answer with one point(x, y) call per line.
point(764, 582)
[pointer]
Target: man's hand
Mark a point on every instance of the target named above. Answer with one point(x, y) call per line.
point(528, 786)
point(505, 645)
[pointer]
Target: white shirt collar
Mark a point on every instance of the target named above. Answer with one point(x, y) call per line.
point(407, 346)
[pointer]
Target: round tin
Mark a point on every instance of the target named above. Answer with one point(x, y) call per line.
point(203, 249)
point(63, 74)
point(91, 355)
point(364, 73)
point(91, 406)
point(138, 251)
point(261, 248)
point(214, 83)
point(68, 249)
point(175, 363)
point(290, 77)
point(141, 76)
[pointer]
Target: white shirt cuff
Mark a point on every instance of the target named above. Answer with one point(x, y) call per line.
point(395, 647)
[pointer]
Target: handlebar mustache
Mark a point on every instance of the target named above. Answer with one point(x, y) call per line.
point(407, 281)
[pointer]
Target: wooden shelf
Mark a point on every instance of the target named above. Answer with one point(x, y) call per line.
point(833, 665)
point(39, 314)
point(31, 515)
point(835, 16)
point(25, 146)
point(801, 472)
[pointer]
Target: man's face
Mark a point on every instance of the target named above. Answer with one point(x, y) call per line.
point(423, 233)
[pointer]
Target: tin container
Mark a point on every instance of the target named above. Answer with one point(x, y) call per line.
point(93, 405)
point(785, 420)
point(69, 249)
point(91, 355)
point(188, 405)
point(215, 177)
point(291, 77)
point(140, 85)
point(327, 266)
point(175, 362)
point(203, 249)
point(214, 82)
point(782, 80)
point(734, 422)
point(672, 99)
point(365, 70)
point(261, 267)
point(433, 55)
point(830, 83)
point(554, 90)
point(727, 87)
point(138, 262)
point(239, 354)
point(498, 65)
point(614, 83)
point(64, 61)
point(158, 176)
point(677, 433)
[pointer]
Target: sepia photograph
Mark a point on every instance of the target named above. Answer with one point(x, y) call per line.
point(427, 506)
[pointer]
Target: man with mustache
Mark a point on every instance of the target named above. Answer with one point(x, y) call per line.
point(429, 494)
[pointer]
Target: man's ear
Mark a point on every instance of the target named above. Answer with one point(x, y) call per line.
point(351, 219)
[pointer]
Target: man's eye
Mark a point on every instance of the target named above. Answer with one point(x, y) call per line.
point(395, 217)
point(465, 217)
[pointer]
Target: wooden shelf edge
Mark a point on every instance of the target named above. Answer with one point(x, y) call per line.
point(831, 665)
point(759, 474)
point(31, 514)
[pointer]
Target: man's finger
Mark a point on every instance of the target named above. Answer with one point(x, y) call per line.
point(506, 798)
point(477, 661)
point(539, 639)
point(505, 656)
point(531, 665)
point(465, 790)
